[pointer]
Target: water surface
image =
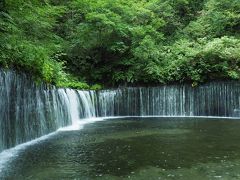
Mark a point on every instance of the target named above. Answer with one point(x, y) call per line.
point(135, 148)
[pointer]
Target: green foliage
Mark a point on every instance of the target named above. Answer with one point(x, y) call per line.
point(69, 81)
point(118, 42)
point(203, 60)
point(96, 87)
point(74, 85)
point(154, 41)
point(28, 42)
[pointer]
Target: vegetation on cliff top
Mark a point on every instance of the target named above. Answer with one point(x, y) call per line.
point(74, 42)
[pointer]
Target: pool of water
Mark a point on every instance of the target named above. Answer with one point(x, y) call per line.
point(134, 148)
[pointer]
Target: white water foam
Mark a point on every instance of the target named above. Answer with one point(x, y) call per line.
point(8, 155)
point(80, 124)
point(207, 117)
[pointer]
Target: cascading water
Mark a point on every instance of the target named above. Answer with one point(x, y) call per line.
point(212, 99)
point(80, 105)
point(87, 103)
point(73, 105)
point(28, 111)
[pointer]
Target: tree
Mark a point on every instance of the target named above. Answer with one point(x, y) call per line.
point(119, 42)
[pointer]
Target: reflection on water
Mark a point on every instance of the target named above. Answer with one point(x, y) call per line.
point(135, 148)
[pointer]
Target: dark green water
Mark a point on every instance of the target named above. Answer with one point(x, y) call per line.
point(135, 148)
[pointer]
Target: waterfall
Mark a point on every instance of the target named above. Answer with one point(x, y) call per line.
point(73, 105)
point(80, 105)
point(87, 101)
point(28, 110)
point(212, 99)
